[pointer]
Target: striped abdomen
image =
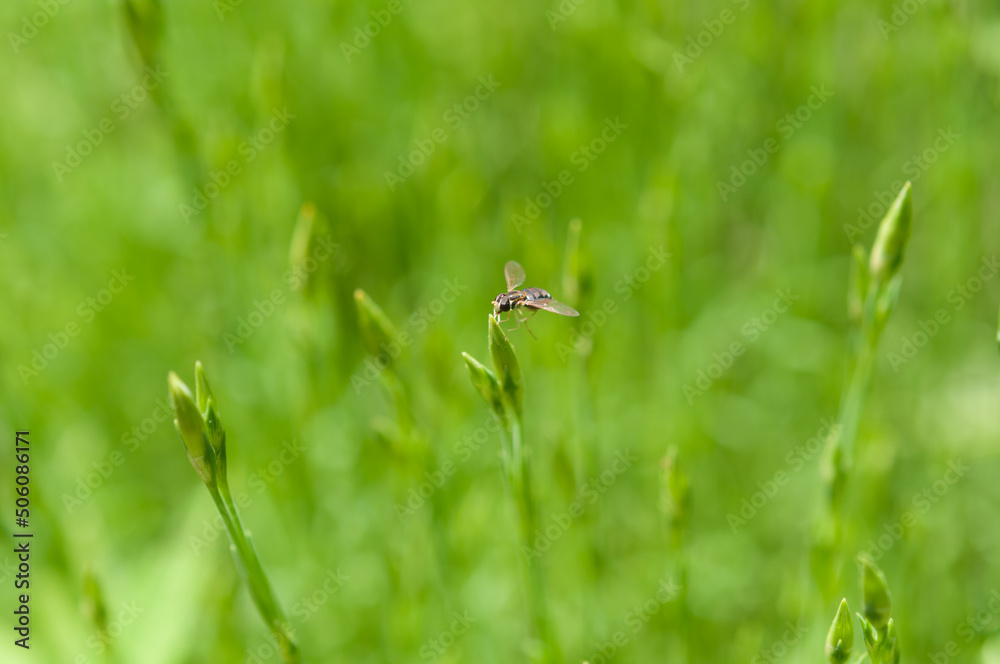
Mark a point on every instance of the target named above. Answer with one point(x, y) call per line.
point(531, 294)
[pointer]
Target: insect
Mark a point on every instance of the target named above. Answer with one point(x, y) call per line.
point(515, 301)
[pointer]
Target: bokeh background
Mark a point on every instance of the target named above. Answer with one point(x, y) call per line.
point(343, 110)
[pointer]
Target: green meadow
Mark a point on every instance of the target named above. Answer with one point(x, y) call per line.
point(785, 358)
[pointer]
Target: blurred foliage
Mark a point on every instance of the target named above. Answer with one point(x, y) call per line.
point(258, 109)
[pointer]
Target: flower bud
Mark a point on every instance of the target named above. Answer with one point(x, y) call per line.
point(675, 489)
point(486, 384)
point(840, 638)
point(893, 232)
point(216, 438)
point(201, 389)
point(506, 368)
point(891, 653)
point(190, 427)
point(301, 246)
point(210, 415)
point(872, 643)
point(875, 594)
point(298, 250)
point(377, 330)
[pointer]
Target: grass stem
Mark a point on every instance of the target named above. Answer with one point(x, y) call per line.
point(204, 438)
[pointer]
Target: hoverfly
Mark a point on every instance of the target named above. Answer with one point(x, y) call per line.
point(515, 301)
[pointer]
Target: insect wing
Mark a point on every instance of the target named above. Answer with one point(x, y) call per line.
point(555, 306)
point(514, 273)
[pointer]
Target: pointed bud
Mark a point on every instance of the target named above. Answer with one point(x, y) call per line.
point(857, 291)
point(486, 384)
point(376, 328)
point(298, 250)
point(893, 232)
point(210, 415)
point(833, 465)
point(891, 652)
point(201, 388)
point(213, 427)
point(675, 489)
point(840, 638)
point(506, 368)
point(872, 644)
point(190, 427)
point(302, 243)
point(875, 594)
point(216, 437)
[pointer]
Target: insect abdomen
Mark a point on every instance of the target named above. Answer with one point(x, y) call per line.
point(536, 294)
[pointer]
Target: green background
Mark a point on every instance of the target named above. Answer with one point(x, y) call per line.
point(789, 226)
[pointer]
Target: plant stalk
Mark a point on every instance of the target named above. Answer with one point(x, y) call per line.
point(519, 477)
point(249, 565)
point(849, 421)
